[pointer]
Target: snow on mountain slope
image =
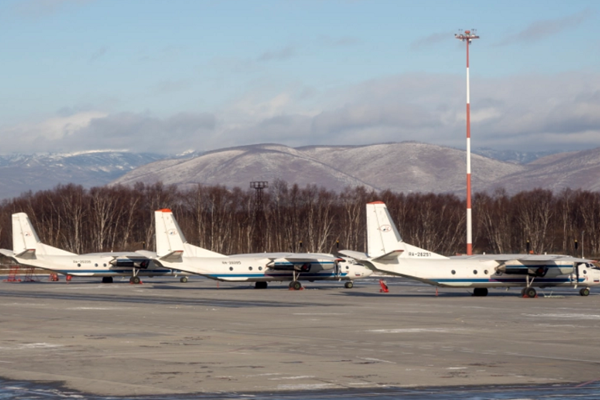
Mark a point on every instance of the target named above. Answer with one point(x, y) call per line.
point(402, 167)
point(239, 166)
point(20, 173)
point(575, 170)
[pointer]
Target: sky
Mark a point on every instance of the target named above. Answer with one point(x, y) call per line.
point(197, 75)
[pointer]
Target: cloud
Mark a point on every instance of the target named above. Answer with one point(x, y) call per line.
point(166, 87)
point(540, 30)
point(278, 55)
point(98, 53)
point(431, 40)
point(553, 112)
point(98, 130)
point(42, 8)
point(345, 41)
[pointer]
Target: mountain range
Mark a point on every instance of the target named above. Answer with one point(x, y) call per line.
point(403, 167)
point(400, 167)
point(21, 173)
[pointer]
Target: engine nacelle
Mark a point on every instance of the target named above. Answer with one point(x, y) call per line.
point(131, 263)
point(536, 270)
point(282, 264)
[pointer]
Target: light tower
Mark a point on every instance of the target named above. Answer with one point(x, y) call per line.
point(467, 37)
point(258, 237)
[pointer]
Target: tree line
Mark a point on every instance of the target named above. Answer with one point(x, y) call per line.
point(286, 218)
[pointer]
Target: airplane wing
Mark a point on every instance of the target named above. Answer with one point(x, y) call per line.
point(302, 257)
point(357, 255)
point(297, 261)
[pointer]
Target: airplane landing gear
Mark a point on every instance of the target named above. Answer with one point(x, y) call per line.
point(349, 285)
point(135, 279)
point(260, 285)
point(480, 292)
point(107, 279)
point(295, 284)
point(529, 292)
point(584, 292)
point(183, 279)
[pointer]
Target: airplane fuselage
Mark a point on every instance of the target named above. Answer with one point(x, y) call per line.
point(485, 274)
point(247, 269)
point(96, 266)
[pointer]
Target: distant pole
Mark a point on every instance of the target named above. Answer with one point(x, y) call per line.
point(258, 237)
point(467, 37)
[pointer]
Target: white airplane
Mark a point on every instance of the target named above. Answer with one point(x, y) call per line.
point(28, 250)
point(387, 253)
point(173, 251)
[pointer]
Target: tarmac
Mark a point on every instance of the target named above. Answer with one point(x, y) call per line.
point(167, 338)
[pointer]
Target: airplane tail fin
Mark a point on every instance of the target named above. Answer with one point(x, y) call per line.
point(170, 242)
point(26, 243)
point(383, 239)
point(382, 235)
point(25, 239)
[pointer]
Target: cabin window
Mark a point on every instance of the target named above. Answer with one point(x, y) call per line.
point(250, 268)
point(584, 272)
point(453, 272)
point(105, 265)
point(95, 265)
point(474, 272)
point(485, 272)
point(260, 268)
point(347, 267)
point(79, 265)
point(231, 268)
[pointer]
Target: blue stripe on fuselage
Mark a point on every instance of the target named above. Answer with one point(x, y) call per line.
point(502, 280)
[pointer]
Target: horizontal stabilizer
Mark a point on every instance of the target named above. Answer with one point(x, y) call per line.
point(392, 255)
point(174, 256)
point(28, 254)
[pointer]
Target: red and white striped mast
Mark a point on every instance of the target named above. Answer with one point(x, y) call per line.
point(467, 37)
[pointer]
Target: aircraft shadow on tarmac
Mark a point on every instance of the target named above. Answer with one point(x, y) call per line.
point(458, 293)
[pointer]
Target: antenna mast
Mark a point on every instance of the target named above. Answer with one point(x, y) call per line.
point(467, 37)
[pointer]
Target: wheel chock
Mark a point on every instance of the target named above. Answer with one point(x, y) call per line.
point(384, 287)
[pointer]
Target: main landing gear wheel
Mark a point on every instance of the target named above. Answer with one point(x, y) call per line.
point(183, 279)
point(480, 292)
point(106, 279)
point(135, 280)
point(296, 285)
point(584, 292)
point(261, 285)
point(529, 292)
point(349, 285)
